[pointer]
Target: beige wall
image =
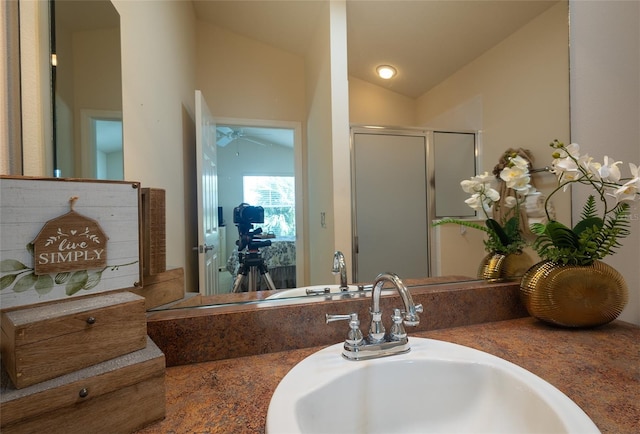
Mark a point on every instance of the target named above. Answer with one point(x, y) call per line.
point(374, 105)
point(319, 152)
point(605, 103)
point(35, 89)
point(517, 95)
point(158, 82)
point(245, 78)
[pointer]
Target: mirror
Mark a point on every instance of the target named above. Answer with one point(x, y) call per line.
point(372, 101)
point(457, 88)
point(87, 89)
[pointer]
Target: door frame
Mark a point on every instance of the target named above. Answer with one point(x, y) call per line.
point(300, 183)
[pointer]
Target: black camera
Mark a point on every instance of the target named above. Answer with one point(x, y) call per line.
point(244, 215)
point(247, 214)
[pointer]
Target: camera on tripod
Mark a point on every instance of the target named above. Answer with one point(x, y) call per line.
point(251, 263)
point(247, 214)
point(244, 216)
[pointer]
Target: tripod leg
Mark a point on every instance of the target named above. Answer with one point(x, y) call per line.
point(270, 284)
point(253, 278)
point(265, 273)
point(237, 284)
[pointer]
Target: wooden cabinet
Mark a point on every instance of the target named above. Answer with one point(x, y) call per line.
point(119, 395)
point(78, 366)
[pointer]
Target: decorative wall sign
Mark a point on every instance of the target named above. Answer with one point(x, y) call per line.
point(68, 243)
point(49, 252)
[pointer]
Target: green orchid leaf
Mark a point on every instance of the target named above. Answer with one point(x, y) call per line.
point(512, 228)
point(588, 223)
point(8, 265)
point(77, 282)
point(44, 285)
point(562, 236)
point(25, 282)
point(7, 281)
point(538, 228)
point(497, 229)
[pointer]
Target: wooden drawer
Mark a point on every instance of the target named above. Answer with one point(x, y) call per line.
point(120, 395)
point(46, 341)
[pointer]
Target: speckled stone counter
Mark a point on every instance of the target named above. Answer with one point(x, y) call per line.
point(598, 368)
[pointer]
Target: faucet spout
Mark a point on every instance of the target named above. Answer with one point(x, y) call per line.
point(411, 309)
point(340, 266)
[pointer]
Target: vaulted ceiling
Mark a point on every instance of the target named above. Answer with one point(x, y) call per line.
point(426, 40)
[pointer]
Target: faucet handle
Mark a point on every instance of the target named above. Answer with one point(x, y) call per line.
point(411, 318)
point(397, 331)
point(355, 337)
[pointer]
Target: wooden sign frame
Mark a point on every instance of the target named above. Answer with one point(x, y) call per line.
point(30, 205)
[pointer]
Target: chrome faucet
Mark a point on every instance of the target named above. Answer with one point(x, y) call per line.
point(340, 266)
point(378, 343)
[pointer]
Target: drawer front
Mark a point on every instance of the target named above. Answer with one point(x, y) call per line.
point(75, 391)
point(122, 411)
point(75, 341)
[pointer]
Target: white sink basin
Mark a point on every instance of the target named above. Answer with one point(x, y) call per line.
point(302, 291)
point(438, 387)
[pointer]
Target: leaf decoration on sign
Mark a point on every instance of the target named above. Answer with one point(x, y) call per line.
point(8, 265)
point(93, 237)
point(25, 282)
point(93, 280)
point(54, 238)
point(62, 277)
point(44, 285)
point(7, 281)
point(77, 282)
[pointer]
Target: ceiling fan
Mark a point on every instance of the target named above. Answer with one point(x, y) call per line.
point(226, 135)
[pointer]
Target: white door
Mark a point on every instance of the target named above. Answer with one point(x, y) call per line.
point(207, 180)
point(391, 206)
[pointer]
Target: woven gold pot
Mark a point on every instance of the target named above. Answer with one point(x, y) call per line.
point(496, 266)
point(574, 295)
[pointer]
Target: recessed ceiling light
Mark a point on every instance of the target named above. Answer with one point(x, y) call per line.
point(386, 71)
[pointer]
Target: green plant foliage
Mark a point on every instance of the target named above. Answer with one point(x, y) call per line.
point(591, 238)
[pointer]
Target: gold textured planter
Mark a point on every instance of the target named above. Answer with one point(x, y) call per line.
point(574, 295)
point(496, 266)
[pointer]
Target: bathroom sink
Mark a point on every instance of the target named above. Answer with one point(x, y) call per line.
point(313, 290)
point(438, 387)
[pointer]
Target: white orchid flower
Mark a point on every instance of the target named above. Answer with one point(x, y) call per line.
point(476, 202)
point(469, 186)
point(477, 184)
point(514, 176)
point(484, 178)
point(572, 149)
point(519, 162)
point(609, 171)
point(492, 195)
point(630, 190)
point(510, 201)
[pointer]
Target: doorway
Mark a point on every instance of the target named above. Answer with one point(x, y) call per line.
point(101, 145)
point(259, 164)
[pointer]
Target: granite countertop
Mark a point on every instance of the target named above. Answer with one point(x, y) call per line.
point(598, 368)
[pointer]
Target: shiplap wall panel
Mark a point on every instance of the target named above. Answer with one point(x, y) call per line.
point(27, 204)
